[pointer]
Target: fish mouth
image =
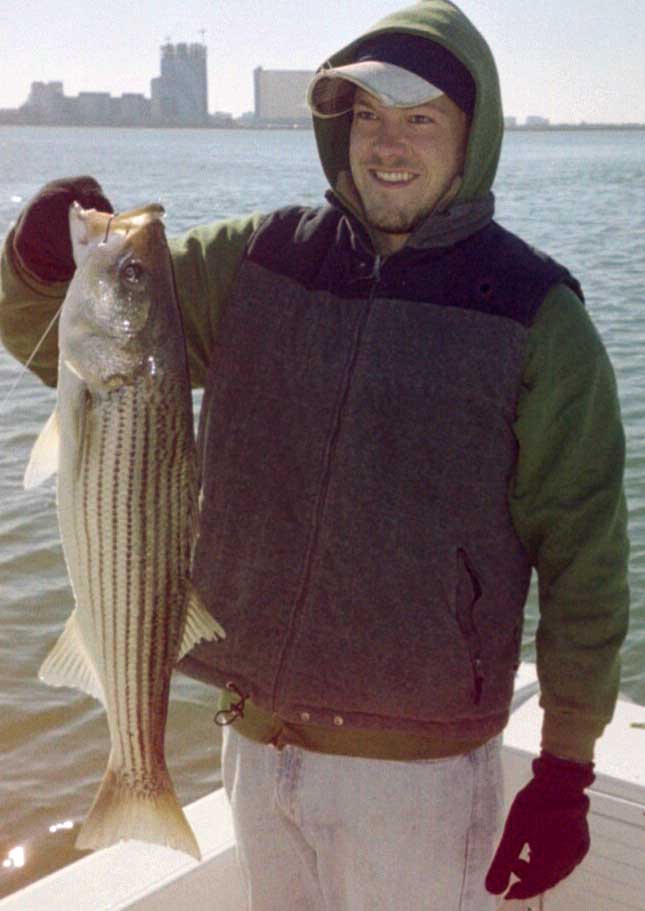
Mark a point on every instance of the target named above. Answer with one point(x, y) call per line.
point(94, 227)
point(136, 218)
point(89, 228)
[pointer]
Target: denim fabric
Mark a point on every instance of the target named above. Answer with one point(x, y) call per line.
point(331, 833)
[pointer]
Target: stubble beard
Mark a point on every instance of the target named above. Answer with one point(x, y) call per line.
point(386, 216)
point(395, 222)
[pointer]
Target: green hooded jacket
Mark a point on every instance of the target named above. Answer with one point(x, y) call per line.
point(441, 22)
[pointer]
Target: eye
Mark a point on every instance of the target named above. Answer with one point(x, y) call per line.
point(364, 114)
point(132, 272)
point(421, 118)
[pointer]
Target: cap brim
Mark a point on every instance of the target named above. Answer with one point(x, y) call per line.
point(331, 92)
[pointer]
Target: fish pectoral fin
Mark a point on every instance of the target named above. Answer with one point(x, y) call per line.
point(199, 623)
point(68, 663)
point(43, 462)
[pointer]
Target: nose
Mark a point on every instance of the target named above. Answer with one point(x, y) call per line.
point(389, 142)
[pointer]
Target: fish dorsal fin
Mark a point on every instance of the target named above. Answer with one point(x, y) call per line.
point(199, 623)
point(43, 462)
point(69, 664)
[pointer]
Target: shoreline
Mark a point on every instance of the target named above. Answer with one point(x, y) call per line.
point(518, 128)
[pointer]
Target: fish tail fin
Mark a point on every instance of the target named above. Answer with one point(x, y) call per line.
point(121, 812)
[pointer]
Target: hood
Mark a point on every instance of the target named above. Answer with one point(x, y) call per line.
point(442, 22)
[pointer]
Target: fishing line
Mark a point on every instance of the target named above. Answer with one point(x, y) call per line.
point(29, 360)
point(33, 354)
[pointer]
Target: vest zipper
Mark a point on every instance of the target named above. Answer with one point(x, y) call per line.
point(466, 621)
point(324, 486)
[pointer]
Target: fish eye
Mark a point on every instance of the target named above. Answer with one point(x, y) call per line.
point(132, 272)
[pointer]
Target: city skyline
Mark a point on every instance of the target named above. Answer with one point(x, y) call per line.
point(279, 101)
point(178, 97)
point(566, 60)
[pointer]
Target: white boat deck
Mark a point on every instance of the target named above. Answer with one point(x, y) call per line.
point(142, 877)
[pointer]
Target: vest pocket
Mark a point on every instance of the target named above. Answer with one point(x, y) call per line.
point(468, 593)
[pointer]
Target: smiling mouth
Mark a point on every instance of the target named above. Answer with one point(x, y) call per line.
point(392, 178)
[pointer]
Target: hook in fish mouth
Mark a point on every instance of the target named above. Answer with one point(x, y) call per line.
point(135, 218)
point(107, 229)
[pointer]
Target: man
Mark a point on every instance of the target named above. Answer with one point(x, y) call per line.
point(406, 409)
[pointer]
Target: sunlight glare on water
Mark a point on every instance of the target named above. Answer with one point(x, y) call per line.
point(15, 857)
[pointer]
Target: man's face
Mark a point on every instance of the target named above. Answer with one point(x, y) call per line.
point(404, 162)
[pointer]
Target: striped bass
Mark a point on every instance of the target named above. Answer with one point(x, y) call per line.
point(121, 440)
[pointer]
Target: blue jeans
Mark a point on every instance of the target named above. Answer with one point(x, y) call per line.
point(333, 833)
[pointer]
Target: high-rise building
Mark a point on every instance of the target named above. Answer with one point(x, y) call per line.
point(180, 93)
point(281, 95)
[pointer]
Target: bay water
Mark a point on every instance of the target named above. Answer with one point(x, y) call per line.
point(578, 195)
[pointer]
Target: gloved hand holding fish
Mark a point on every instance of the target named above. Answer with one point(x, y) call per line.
point(42, 241)
point(121, 440)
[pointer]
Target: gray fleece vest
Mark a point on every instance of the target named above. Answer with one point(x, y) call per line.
point(357, 441)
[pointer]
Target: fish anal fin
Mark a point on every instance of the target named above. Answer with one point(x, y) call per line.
point(68, 663)
point(43, 462)
point(200, 624)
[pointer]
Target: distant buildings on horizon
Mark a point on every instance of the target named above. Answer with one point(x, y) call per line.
point(280, 96)
point(531, 121)
point(179, 98)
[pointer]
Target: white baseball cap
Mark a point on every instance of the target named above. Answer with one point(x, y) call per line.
point(399, 69)
point(331, 92)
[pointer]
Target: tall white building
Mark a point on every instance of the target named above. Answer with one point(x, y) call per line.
point(281, 95)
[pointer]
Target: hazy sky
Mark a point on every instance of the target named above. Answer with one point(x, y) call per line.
point(568, 60)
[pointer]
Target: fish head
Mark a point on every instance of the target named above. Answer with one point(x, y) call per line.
point(120, 309)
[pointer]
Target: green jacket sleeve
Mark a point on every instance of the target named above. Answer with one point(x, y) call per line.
point(27, 307)
point(204, 260)
point(568, 506)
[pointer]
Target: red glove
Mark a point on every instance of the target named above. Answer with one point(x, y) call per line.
point(550, 815)
point(41, 242)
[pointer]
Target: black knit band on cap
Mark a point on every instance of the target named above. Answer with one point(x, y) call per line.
point(426, 59)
